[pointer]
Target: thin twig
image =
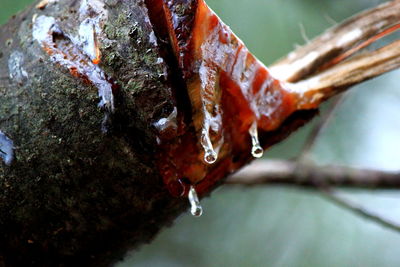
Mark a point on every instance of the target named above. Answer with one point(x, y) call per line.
point(330, 20)
point(359, 210)
point(268, 172)
point(319, 127)
point(303, 33)
point(326, 189)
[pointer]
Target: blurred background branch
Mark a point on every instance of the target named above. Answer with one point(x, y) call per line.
point(268, 172)
point(322, 178)
point(359, 210)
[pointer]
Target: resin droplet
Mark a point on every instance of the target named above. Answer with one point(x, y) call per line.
point(210, 156)
point(256, 150)
point(196, 208)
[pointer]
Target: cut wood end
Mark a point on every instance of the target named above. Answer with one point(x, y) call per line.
point(350, 72)
point(307, 60)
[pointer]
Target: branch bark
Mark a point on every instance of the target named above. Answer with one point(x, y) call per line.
point(87, 96)
point(268, 172)
point(322, 178)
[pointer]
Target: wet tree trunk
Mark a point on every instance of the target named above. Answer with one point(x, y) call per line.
point(80, 186)
point(90, 100)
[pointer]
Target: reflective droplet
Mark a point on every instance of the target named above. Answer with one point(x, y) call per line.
point(196, 208)
point(256, 150)
point(210, 156)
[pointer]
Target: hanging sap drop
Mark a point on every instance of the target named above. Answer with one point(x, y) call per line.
point(210, 156)
point(196, 208)
point(256, 150)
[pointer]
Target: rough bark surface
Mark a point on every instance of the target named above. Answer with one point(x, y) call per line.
point(75, 195)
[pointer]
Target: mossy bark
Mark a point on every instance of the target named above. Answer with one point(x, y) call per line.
point(75, 195)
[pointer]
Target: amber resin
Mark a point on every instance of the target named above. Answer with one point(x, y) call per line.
point(232, 96)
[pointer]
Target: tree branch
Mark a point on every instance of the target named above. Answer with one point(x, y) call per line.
point(359, 210)
point(316, 131)
point(322, 178)
point(268, 172)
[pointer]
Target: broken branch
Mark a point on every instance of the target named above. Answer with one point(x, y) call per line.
point(306, 60)
point(353, 71)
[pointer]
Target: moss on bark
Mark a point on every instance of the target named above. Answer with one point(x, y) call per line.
point(74, 195)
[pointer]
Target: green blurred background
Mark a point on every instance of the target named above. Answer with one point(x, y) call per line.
point(281, 226)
